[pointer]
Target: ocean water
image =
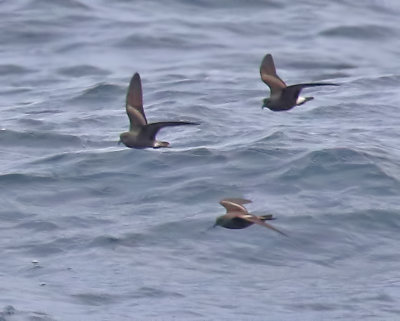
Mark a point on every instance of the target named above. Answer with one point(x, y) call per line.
point(92, 230)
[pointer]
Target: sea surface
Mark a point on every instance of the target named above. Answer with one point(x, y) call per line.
point(91, 230)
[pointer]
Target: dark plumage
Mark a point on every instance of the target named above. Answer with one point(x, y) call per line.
point(237, 217)
point(282, 97)
point(141, 134)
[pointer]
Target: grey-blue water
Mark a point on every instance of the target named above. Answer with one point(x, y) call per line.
point(92, 230)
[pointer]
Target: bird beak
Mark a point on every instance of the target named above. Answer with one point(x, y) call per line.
point(264, 105)
point(212, 226)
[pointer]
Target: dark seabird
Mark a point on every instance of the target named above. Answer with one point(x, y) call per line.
point(141, 134)
point(238, 217)
point(283, 97)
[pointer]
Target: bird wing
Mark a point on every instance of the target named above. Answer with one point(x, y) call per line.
point(134, 98)
point(294, 90)
point(233, 206)
point(151, 130)
point(237, 200)
point(266, 217)
point(314, 84)
point(254, 219)
point(269, 75)
point(135, 117)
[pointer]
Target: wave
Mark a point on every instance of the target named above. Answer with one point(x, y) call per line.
point(101, 92)
point(366, 32)
point(38, 139)
point(340, 168)
point(82, 70)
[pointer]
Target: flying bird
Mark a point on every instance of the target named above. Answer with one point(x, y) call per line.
point(283, 97)
point(142, 134)
point(237, 216)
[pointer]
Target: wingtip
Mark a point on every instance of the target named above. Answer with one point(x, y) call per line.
point(188, 123)
point(182, 122)
point(236, 200)
point(135, 79)
point(135, 82)
point(284, 234)
point(267, 59)
point(277, 230)
point(330, 84)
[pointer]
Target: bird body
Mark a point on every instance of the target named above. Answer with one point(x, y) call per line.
point(233, 221)
point(282, 97)
point(237, 216)
point(141, 134)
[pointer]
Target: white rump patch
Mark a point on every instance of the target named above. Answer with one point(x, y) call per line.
point(300, 100)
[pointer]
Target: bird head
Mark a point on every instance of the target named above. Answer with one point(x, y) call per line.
point(218, 221)
point(266, 102)
point(123, 138)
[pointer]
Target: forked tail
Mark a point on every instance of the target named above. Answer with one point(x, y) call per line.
point(303, 100)
point(267, 217)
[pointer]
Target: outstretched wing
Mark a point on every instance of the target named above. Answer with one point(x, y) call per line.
point(237, 200)
point(134, 100)
point(314, 84)
point(269, 75)
point(234, 206)
point(254, 219)
point(293, 91)
point(151, 130)
point(135, 117)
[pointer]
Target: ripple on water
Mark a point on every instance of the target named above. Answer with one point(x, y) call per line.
point(38, 139)
point(141, 41)
point(82, 70)
point(103, 92)
point(134, 225)
point(48, 4)
point(38, 226)
point(340, 168)
point(366, 32)
point(12, 69)
point(95, 299)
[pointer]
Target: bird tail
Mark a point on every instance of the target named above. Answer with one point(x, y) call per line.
point(159, 144)
point(303, 100)
point(267, 217)
point(308, 99)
